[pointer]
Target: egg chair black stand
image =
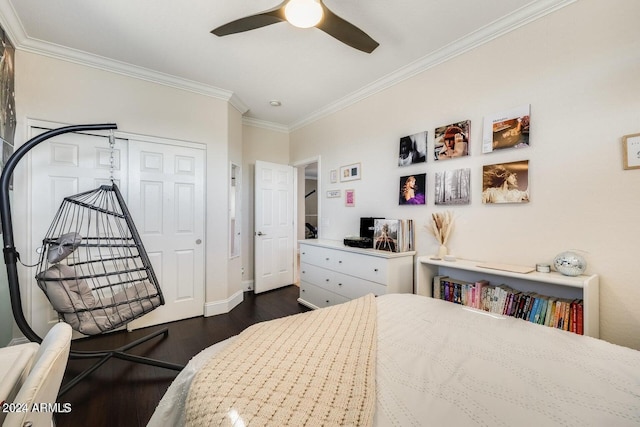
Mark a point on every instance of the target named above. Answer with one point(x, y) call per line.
point(93, 268)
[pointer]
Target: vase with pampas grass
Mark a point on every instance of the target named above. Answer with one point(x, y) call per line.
point(440, 227)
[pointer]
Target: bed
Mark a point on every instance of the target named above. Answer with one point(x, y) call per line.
point(433, 363)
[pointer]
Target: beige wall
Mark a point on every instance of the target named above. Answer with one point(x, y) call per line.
point(257, 144)
point(60, 91)
point(579, 68)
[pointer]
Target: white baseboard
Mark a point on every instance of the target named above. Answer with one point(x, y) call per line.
point(224, 306)
point(247, 285)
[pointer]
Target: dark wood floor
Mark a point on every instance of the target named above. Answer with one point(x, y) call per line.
point(125, 394)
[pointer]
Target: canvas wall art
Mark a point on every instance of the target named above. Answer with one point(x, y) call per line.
point(385, 235)
point(506, 182)
point(452, 140)
point(413, 149)
point(413, 189)
point(7, 101)
point(507, 129)
point(453, 187)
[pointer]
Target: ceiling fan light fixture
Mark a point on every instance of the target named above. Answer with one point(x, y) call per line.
point(303, 13)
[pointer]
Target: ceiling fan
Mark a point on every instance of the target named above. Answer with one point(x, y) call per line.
point(304, 14)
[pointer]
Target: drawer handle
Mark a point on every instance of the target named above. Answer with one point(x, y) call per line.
point(327, 259)
point(326, 280)
point(339, 262)
point(303, 272)
point(327, 301)
point(339, 284)
point(304, 290)
point(375, 269)
point(304, 253)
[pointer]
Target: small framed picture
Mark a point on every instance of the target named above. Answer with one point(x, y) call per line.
point(350, 198)
point(631, 151)
point(332, 194)
point(333, 176)
point(350, 172)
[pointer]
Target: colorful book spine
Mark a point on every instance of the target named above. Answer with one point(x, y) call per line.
point(580, 323)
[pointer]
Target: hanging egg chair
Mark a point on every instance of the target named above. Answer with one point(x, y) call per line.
point(93, 269)
point(96, 273)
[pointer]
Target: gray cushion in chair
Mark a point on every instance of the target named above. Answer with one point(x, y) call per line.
point(67, 294)
point(63, 246)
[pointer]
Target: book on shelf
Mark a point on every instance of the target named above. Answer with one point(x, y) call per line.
point(580, 315)
point(550, 311)
point(543, 311)
point(437, 287)
point(560, 313)
point(567, 316)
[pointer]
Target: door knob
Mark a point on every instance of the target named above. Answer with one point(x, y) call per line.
point(260, 233)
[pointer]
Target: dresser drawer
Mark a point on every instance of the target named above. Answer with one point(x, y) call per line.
point(364, 266)
point(354, 287)
point(320, 297)
point(322, 257)
point(317, 275)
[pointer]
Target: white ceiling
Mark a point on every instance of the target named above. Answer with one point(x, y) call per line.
point(311, 73)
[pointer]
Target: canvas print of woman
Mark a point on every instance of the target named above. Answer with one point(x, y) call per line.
point(452, 140)
point(506, 182)
point(413, 149)
point(413, 189)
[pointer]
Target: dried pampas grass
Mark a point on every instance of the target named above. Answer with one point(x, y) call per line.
point(440, 226)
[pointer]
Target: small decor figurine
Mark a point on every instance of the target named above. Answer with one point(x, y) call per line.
point(440, 226)
point(570, 263)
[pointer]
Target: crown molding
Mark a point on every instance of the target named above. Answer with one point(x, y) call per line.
point(511, 22)
point(529, 13)
point(14, 29)
point(263, 124)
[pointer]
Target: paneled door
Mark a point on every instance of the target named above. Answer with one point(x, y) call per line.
point(273, 226)
point(62, 166)
point(163, 185)
point(166, 200)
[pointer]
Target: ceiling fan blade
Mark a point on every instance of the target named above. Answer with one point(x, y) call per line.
point(268, 17)
point(346, 32)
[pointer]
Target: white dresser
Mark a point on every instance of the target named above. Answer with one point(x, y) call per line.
point(331, 273)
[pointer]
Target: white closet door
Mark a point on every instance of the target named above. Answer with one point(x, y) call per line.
point(166, 200)
point(62, 166)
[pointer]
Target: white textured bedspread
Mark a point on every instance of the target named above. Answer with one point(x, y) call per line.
point(439, 364)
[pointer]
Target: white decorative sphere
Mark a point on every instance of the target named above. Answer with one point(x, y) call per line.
point(570, 263)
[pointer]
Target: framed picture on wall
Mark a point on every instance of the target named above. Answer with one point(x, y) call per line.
point(333, 176)
point(452, 141)
point(350, 198)
point(506, 182)
point(506, 129)
point(453, 187)
point(413, 189)
point(631, 151)
point(350, 172)
point(413, 149)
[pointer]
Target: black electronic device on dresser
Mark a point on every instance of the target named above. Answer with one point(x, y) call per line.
point(366, 234)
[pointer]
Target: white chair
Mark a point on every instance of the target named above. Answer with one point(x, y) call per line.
point(43, 382)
